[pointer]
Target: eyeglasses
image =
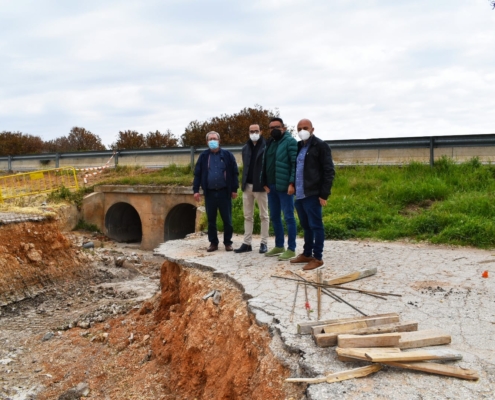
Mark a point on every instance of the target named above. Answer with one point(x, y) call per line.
point(276, 127)
point(254, 131)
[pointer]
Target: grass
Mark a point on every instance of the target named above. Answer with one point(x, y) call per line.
point(447, 204)
point(172, 175)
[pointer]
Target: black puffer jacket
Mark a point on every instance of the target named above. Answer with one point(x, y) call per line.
point(319, 170)
point(247, 150)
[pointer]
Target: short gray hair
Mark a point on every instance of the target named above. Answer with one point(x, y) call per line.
point(209, 133)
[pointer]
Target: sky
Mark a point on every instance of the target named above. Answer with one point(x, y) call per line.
point(357, 69)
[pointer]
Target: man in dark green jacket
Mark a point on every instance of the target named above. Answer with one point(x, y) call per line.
point(278, 177)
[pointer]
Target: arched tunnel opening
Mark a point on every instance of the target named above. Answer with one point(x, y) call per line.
point(180, 221)
point(123, 223)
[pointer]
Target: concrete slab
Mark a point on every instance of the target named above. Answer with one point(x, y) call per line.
point(441, 287)
point(12, 218)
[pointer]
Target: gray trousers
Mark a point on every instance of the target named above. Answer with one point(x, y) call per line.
point(248, 198)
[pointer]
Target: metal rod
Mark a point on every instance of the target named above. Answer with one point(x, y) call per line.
point(306, 304)
point(294, 305)
point(328, 293)
point(318, 291)
point(368, 292)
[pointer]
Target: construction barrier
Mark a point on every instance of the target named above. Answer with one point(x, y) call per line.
point(31, 183)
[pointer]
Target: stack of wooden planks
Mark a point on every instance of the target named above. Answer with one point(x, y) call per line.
point(381, 339)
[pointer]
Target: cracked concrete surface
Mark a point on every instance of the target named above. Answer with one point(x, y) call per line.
point(441, 287)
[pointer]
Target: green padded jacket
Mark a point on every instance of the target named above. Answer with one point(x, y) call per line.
point(285, 162)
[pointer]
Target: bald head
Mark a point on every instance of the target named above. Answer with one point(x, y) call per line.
point(305, 124)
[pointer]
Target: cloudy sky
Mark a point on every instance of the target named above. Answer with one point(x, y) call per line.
point(358, 69)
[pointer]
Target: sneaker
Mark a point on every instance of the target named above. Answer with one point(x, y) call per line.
point(313, 265)
point(287, 255)
point(301, 259)
point(275, 252)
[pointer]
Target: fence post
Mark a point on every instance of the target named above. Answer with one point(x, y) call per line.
point(57, 160)
point(116, 158)
point(192, 158)
point(432, 154)
point(9, 164)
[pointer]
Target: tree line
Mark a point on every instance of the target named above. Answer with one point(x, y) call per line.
point(233, 129)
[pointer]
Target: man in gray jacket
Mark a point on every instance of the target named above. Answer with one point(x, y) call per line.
point(252, 159)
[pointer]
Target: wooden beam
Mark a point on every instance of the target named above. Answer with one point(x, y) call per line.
point(340, 376)
point(330, 339)
point(305, 328)
point(429, 337)
point(418, 355)
point(439, 369)
point(403, 340)
point(344, 327)
point(360, 354)
point(379, 340)
point(353, 276)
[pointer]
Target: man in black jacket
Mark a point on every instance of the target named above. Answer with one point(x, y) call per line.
point(314, 177)
point(252, 159)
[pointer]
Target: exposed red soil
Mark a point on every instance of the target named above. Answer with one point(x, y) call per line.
point(33, 256)
point(175, 346)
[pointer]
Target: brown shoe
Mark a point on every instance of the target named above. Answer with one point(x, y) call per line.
point(228, 247)
point(314, 264)
point(301, 259)
point(213, 247)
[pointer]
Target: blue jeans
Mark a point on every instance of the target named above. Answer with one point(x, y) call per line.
point(310, 216)
point(282, 202)
point(219, 200)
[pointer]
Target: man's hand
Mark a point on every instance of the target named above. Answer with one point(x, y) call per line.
point(234, 195)
point(323, 202)
point(267, 189)
point(291, 190)
point(197, 197)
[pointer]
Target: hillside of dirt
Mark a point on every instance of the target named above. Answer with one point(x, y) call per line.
point(93, 323)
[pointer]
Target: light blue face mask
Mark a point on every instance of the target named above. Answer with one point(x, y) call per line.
point(213, 144)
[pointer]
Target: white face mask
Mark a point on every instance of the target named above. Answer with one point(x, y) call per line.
point(254, 136)
point(303, 134)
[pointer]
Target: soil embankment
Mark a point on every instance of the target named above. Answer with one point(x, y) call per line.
point(74, 327)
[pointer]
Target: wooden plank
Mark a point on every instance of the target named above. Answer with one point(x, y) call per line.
point(353, 276)
point(379, 340)
point(418, 355)
point(345, 327)
point(360, 354)
point(330, 339)
point(429, 337)
point(305, 328)
point(340, 376)
point(439, 369)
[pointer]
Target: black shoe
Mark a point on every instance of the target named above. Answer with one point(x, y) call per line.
point(263, 248)
point(244, 248)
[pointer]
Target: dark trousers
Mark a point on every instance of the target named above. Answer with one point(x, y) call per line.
point(219, 200)
point(310, 217)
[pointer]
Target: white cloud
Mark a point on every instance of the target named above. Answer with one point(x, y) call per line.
point(357, 69)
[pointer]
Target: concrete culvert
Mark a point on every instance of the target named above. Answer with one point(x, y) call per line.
point(180, 221)
point(123, 223)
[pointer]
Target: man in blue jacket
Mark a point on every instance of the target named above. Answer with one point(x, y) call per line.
point(217, 174)
point(314, 178)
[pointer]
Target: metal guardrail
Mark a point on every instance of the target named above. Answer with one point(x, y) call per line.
point(429, 142)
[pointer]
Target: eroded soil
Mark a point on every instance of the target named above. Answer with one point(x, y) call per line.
point(98, 317)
